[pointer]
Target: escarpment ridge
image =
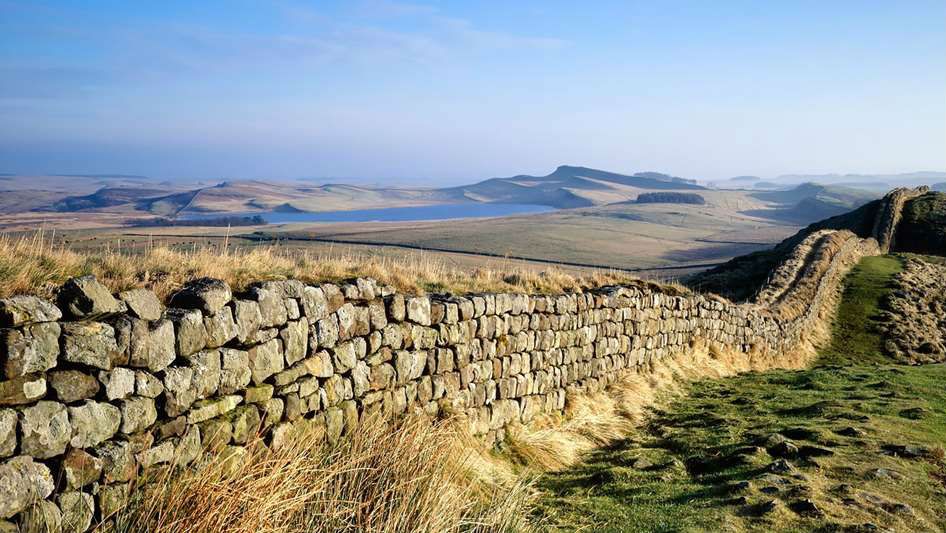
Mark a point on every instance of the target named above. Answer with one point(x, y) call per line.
point(99, 386)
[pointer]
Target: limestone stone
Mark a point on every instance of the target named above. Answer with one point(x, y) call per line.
point(293, 311)
point(160, 454)
point(41, 517)
point(84, 297)
point(418, 310)
point(44, 430)
point(361, 382)
point(209, 295)
point(207, 409)
point(72, 385)
point(246, 423)
point(23, 482)
point(265, 360)
point(112, 499)
point(216, 433)
point(295, 340)
point(89, 343)
point(206, 367)
point(78, 509)
point(272, 309)
point(147, 385)
point(190, 333)
point(189, 447)
point(328, 331)
point(178, 393)
point(142, 303)
point(80, 468)
point(21, 310)
point(377, 315)
point(258, 394)
point(220, 328)
point(315, 305)
point(93, 422)
point(272, 412)
point(334, 424)
point(396, 307)
point(346, 321)
point(31, 349)
point(343, 357)
point(137, 414)
point(118, 461)
point(409, 365)
point(284, 288)
point(22, 390)
point(119, 383)
point(320, 364)
point(334, 296)
point(7, 432)
point(152, 345)
point(247, 316)
point(235, 372)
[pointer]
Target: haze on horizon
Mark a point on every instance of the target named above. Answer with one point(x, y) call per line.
point(448, 92)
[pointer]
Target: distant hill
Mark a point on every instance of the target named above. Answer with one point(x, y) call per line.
point(941, 187)
point(809, 202)
point(105, 197)
point(568, 186)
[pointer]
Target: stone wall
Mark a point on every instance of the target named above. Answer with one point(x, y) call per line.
point(98, 386)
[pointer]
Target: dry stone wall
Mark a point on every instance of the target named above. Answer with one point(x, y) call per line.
point(98, 386)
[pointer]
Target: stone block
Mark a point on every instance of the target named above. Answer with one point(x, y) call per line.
point(147, 384)
point(23, 482)
point(295, 340)
point(30, 349)
point(209, 295)
point(41, 517)
point(22, 310)
point(235, 372)
point(92, 423)
point(137, 414)
point(78, 509)
point(7, 432)
point(142, 303)
point(207, 409)
point(72, 385)
point(89, 343)
point(247, 316)
point(84, 297)
point(119, 383)
point(118, 461)
point(44, 430)
point(178, 392)
point(266, 360)
point(80, 468)
point(272, 309)
point(314, 304)
point(220, 328)
point(190, 333)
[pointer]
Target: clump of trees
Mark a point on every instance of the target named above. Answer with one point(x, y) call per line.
point(670, 198)
point(255, 220)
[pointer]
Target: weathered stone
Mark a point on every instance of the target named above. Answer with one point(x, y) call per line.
point(235, 372)
point(216, 433)
point(409, 365)
point(207, 409)
point(272, 412)
point(206, 366)
point(89, 343)
point(258, 394)
point(78, 509)
point(21, 310)
point(294, 340)
point(119, 383)
point(44, 430)
point(7, 432)
point(154, 347)
point(92, 423)
point(247, 316)
point(142, 303)
point(22, 390)
point(160, 454)
point(334, 296)
point(265, 360)
point(343, 357)
point(246, 423)
point(314, 304)
point(328, 331)
point(30, 349)
point(272, 309)
point(23, 482)
point(147, 385)
point(73, 385)
point(190, 333)
point(334, 424)
point(377, 315)
point(207, 294)
point(174, 428)
point(284, 288)
point(112, 499)
point(418, 310)
point(189, 447)
point(80, 468)
point(138, 414)
point(396, 307)
point(85, 297)
point(41, 517)
point(220, 328)
point(118, 461)
point(178, 393)
point(346, 315)
point(361, 382)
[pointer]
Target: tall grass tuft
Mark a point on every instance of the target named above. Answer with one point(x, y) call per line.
point(415, 476)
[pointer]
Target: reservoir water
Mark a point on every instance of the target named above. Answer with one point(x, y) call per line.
point(391, 214)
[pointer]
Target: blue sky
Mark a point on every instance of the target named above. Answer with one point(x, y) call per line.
point(446, 92)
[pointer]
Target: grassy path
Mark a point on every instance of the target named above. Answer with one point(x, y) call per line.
point(854, 444)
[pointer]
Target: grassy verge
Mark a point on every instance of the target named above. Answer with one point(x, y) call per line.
point(854, 444)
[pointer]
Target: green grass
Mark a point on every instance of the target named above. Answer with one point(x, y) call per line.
point(844, 418)
point(855, 335)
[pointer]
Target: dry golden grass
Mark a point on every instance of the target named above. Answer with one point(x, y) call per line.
point(417, 476)
point(33, 265)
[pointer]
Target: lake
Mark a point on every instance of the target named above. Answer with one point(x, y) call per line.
point(392, 214)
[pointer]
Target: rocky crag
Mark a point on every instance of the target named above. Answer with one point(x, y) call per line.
point(98, 386)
